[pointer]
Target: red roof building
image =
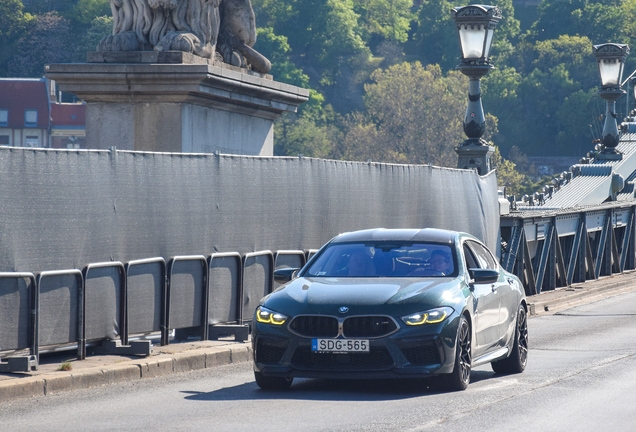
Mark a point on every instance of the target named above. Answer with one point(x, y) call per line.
point(30, 116)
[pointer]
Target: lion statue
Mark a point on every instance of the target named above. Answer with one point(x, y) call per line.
point(217, 29)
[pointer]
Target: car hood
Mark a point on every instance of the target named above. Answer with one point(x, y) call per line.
point(304, 295)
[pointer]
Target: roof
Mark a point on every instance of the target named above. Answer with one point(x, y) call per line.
point(598, 181)
point(383, 234)
point(18, 95)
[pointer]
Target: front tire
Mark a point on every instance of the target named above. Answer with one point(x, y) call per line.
point(518, 358)
point(460, 377)
point(272, 383)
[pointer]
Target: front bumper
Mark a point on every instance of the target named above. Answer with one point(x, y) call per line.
point(410, 352)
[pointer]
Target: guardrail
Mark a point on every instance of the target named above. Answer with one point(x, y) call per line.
point(120, 308)
point(548, 249)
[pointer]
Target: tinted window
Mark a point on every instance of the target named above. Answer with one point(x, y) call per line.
point(384, 259)
point(483, 257)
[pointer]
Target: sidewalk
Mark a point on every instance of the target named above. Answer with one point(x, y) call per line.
point(98, 370)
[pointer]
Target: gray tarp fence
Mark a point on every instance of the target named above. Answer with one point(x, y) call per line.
point(67, 208)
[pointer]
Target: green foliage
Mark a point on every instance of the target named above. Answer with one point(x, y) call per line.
point(85, 11)
point(277, 50)
point(436, 39)
point(507, 175)
point(13, 24)
point(411, 117)
point(600, 20)
point(47, 42)
point(389, 19)
point(99, 28)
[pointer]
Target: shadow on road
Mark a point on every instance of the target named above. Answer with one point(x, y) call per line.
point(346, 390)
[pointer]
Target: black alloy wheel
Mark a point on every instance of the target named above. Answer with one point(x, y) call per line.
point(460, 377)
point(518, 359)
point(272, 383)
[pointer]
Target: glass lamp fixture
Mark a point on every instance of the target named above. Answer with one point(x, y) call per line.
point(475, 28)
point(611, 61)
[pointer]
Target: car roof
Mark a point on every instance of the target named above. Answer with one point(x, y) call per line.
point(383, 234)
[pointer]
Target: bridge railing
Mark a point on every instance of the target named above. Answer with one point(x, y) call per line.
point(116, 307)
point(549, 249)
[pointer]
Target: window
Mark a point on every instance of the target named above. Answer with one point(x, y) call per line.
point(483, 257)
point(30, 118)
point(32, 141)
point(4, 117)
point(4, 139)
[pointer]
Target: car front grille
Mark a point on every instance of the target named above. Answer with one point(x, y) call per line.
point(358, 326)
point(376, 359)
point(422, 352)
point(270, 350)
point(315, 326)
point(368, 326)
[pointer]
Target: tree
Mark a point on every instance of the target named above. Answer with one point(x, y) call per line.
point(573, 51)
point(436, 40)
point(13, 24)
point(385, 20)
point(326, 43)
point(99, 28)
point(413, 115)
point(48, 41)
point(276, 48)
point(85, 11)
point(507, 32)
point(600, 20)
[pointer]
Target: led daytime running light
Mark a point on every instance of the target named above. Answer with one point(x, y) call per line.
point(435, 316)
point(267, 316)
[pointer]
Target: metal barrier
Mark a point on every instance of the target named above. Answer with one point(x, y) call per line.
point(551, 249)
point(146, 292)
point(187, 297)
point(105, 325)
point(61, 311)
point(224, 306)
point(258, 281)
point(19, 303)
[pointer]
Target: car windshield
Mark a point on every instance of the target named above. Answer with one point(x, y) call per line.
point(384, 259)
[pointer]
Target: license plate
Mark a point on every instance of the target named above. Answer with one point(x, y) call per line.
point(339, 345)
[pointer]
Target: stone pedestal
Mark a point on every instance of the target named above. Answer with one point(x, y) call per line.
point(473, 154)
point(176, 102)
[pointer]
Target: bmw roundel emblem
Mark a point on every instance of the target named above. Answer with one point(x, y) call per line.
point(343, 309)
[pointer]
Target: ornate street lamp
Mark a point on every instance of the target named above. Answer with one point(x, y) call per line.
point(475, 27)
point(611, 61)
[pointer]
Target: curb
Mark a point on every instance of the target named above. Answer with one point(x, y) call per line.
point(562, 298)
point(132, 370)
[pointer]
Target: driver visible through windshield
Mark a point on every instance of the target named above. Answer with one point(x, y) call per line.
point(383, 259)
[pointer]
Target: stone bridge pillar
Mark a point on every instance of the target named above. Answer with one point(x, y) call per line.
point(176, 102)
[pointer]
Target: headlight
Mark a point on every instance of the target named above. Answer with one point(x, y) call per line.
point(433, 316)
point(267, 316)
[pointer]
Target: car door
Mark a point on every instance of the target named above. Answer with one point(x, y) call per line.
point(486, 318)
point(504, 291)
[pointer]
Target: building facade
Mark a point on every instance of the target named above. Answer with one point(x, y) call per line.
point(32, 115)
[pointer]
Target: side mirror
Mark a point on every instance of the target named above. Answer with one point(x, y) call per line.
point(284, 275)
point(483, 276)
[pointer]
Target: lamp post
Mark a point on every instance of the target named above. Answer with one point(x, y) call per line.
point(611, 61)
point(475, 27)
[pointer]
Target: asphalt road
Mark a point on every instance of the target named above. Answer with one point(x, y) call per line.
point(581, 374)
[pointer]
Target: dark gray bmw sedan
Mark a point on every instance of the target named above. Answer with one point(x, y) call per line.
point(392, 303)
